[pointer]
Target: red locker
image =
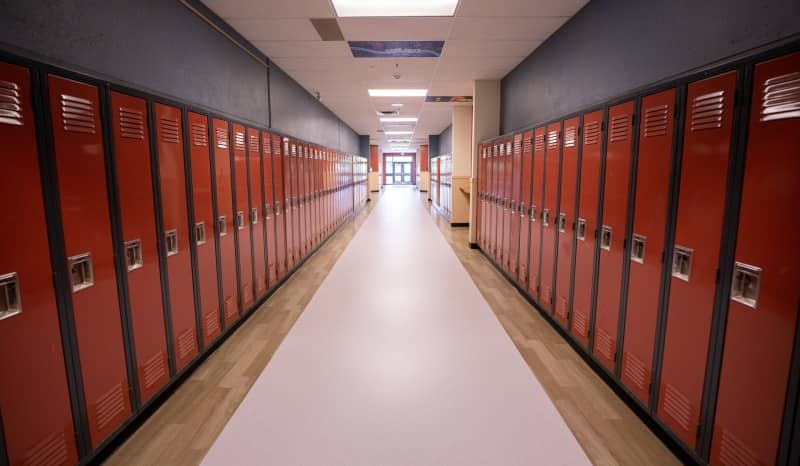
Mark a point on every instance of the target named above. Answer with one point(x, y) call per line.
point(704, 167)
point(288, 190)
point(507, 182)
point(226, 221)
point(586, 226)
point(494, 200)
point(206, 247)
point(478, 211)
point(256, 217)
point(762, 313)
point(34, 399)
point(138, 217)
point(80, 164)
point(525, 208)
point(307, 171)
point(242, 218)
point(566, 219)
point(550, 215)
point(281, 207)
point(294, 190)
point(647, 246)
point(537, 193)
point(270, 209)
point(516, 169)
point(612, 231)
point(317, 187)
point(298, 178)
point(175, 215)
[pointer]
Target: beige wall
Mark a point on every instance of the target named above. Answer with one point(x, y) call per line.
point(485, 124)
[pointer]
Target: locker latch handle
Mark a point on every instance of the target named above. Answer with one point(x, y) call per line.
point(81, 271)
point(200, 233)
point(240, 220)
point(10, 304)
point(561, 222)
point(522, 211)
point(746, 284)
point(605, 237)
point(546, 217)
point(638, 246)
point(533, 214)
point(222, 225)
point(513, 207)
point(581, 229)
point(682, 263)
point(171, 237)
point(254, 215)
point(133, 255)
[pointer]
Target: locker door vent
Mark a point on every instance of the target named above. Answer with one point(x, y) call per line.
point(620, 128)
point(570, 136)
point(552, 140)
point(579, 323)
point(638, 248)
point(186, 343)
point(200, 232)
point(9, 296)
point(605, 238)
point(527, 145)
point(634, 370)
point(10, 104)
point(677, 406)
point(199, 135)
point(171, 237)
point(655, 121)
point(133, 255)
point(77, 114)
point(604, 344)
point(170, 131)
point(221, 135)
point(508, 148)
point(254, 143)
point(781, 97)
point(733, 451)
point(230, 307)
point(154, 369)
point(131, 123)
point(109, 406)
point(80, 270)
point(212, 323)
point(267, 149)
point(682, 263)
point(52, 450)
point(538, 144)
point(238, 140)
point(581, 229)
point(517, 144)
point(707, 111)
point(746, 284)
point(591, 134)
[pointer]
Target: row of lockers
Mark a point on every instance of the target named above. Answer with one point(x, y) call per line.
point(442, 183)
point(135, 233)
point(655, 230)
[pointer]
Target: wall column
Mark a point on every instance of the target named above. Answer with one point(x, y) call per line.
point(373, 180)
point(423, 161)
point(462, 145)
point(485, 124)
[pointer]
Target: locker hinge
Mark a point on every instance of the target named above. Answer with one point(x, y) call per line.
point(633, 119)
point(650, 389)
point(716, 279)
point(663, 255)
point(615, 357)
point(580, 130)
point(625, 244)
point(602, 126)
point(697, 433)
point(538, 289)
point(674, 111)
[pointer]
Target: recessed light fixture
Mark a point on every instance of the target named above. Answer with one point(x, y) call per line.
point(399, 141)
point(397, 105)
point(399, 132)
point(345, 8)
point(398, 92)
point(398, 120)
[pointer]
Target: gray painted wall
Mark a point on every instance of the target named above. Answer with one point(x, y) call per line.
point(433, 146)
point(363, 146)
point(446, 141)
point(162, 47)
point(612, 47)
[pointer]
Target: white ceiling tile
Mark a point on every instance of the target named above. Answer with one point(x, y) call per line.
point(395, 28)
point(519, 7)
point(484, 48)
point(303, 48)
point(275, 29)
point(259, 9)
point(523, 28)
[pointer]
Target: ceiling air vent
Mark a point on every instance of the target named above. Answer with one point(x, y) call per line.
point(388, 113)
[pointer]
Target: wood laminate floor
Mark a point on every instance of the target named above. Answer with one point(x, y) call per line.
point(185, 427)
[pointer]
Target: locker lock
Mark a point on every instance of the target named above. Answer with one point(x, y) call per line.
point(254, 215)
point(682, 263)
point(200, 232)
point(533, 213)
point(581, 229)
point(561, 223)
point(222, 225)
point(746, 284)
point(133, 254)
point(522, 211)
point(240, 220)
point(172, 242)
point(605, 237)
point(546, 217)
point(80, 271)
point(637, 248)
point(9, 296)
point(267, 211)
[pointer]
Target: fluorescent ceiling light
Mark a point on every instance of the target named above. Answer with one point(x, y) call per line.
point(399, 141)
point(346, 8)
point(397, 105)
point(399, 120)
point(399, 132)
point(398, 92)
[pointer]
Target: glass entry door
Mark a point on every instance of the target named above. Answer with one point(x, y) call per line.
point(398, 170)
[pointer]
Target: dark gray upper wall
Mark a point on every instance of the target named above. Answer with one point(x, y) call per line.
point(433, 146)
point(162, 47)
point(612, 47)
point(446, 141)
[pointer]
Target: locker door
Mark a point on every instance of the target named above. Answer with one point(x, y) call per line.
point(300, 198)
point(566, 220)
point(175, 215)
point(269, 209)
point(550, 215)
point(297, 233)
point(500, 177)
point(256, 215)
point(291, 218)
point(308, 171)
point(586, 225)
point(206, 247)
point(647, 247)
point(280, 208)
point(226, 221)
point(34, 398)
point(507, 182)
point(80, 165)
point(537, 203)
point(516, 169)
point(242, 213)
point(612, 232)
point(493, 203)
point(704, 167)
point(479, 208)
point(138, 217)
point(525, 208)
point(313, 195)
point(762, 313)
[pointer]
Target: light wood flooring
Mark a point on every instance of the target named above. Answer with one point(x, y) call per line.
point(186, 425)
